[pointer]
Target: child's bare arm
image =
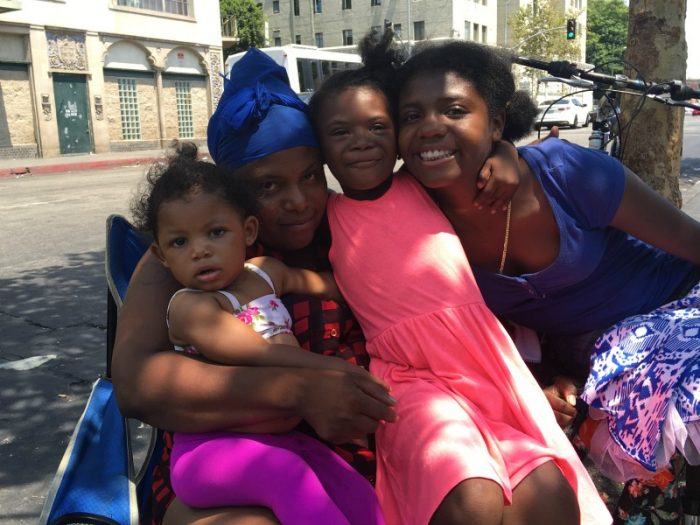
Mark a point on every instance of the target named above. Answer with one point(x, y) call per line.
point(198, 319)
point(498, 179)
point(288, 279)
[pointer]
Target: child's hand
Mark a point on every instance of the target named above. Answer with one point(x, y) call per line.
point(498, 179)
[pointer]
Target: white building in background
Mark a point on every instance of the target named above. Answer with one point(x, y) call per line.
point(333, 23)
point(342, 23)
point(80, 76)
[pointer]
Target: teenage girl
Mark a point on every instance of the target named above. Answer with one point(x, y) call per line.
point(594, 257)
point(475, 440)
point(202, 222)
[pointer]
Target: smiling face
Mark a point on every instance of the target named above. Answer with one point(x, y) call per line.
point(292, 196)
point(445, 130)
point(202, 239)
point(357, 136)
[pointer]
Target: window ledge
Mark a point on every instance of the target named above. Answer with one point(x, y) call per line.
point(148, 12)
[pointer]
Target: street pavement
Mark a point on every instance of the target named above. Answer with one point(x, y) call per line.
point(689, 177)
point(40, 405)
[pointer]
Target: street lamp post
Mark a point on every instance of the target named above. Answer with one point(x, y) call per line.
point(408, 11)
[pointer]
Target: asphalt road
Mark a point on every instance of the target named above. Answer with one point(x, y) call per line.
point(53, 309)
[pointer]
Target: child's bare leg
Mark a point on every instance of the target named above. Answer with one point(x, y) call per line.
point(476, 501)
point(544, 497)
point(179, 514)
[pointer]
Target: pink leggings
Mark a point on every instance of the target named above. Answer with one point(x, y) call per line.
point(299, 478)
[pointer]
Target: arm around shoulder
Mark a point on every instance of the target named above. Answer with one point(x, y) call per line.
point(175, 392)
point(289, 279)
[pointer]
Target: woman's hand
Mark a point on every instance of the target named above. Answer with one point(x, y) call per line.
point(345, 405)
point(562, 398)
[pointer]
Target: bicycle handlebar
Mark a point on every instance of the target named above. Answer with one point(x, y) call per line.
point(561, 68)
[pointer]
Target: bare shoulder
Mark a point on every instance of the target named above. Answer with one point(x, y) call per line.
point(276, 269)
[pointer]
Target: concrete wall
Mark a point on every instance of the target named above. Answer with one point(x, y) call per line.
point(16, 114)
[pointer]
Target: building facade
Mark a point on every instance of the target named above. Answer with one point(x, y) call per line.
point(334, 23)
point(337, 23)
point(81, 76)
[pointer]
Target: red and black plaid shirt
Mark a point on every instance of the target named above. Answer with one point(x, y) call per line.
point(323, 327)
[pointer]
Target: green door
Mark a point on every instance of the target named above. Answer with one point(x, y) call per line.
point(70, 94)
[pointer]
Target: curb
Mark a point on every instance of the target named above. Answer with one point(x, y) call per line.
point(76, 166)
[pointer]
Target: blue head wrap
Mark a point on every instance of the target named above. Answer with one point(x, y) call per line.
point(258, 114)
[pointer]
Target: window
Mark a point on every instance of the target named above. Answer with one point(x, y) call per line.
point(467, 30)
point(129, 109)
point(397, 30)
point(375, 2)
point(229, 27)
point(484, 34)
point(347, 37)
point(296, 7)
point(475, 33)
point(318, 37)
point(183, 99)
point(419, 30)
point(318, 6)
point(175, 7)
point(275, 6)
point(347, 4)
point(276, 38)
point(297, 39)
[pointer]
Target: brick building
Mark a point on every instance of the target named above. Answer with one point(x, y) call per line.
point(81, 76)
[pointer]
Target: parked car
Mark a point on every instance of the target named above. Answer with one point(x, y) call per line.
point(569, 111)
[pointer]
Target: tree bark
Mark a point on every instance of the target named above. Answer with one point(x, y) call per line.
point(656, 46)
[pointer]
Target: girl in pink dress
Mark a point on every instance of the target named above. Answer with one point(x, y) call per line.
point(476, 440)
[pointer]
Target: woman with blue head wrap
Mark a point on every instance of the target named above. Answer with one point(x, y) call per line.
point(259, 131)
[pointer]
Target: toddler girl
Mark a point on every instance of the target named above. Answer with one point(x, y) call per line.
point(202, 222)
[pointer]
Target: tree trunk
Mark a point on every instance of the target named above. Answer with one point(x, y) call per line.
point(656, 46)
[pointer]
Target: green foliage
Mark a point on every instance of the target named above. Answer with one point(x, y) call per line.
point(250, 23)
point(607, 34)
point(541, 33)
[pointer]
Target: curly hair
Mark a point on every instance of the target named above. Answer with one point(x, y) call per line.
point(182, 174)
point(487, 68)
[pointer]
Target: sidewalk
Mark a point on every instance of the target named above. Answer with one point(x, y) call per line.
point(91, 161)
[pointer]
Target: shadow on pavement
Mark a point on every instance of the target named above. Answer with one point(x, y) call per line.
point(690, 170)
point(61, 311)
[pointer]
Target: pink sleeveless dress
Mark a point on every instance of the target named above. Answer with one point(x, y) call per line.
point(467, 404)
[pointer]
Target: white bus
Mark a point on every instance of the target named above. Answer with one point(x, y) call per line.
point(307, 67)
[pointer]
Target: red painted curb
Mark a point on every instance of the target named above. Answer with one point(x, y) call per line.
point(28, 169)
